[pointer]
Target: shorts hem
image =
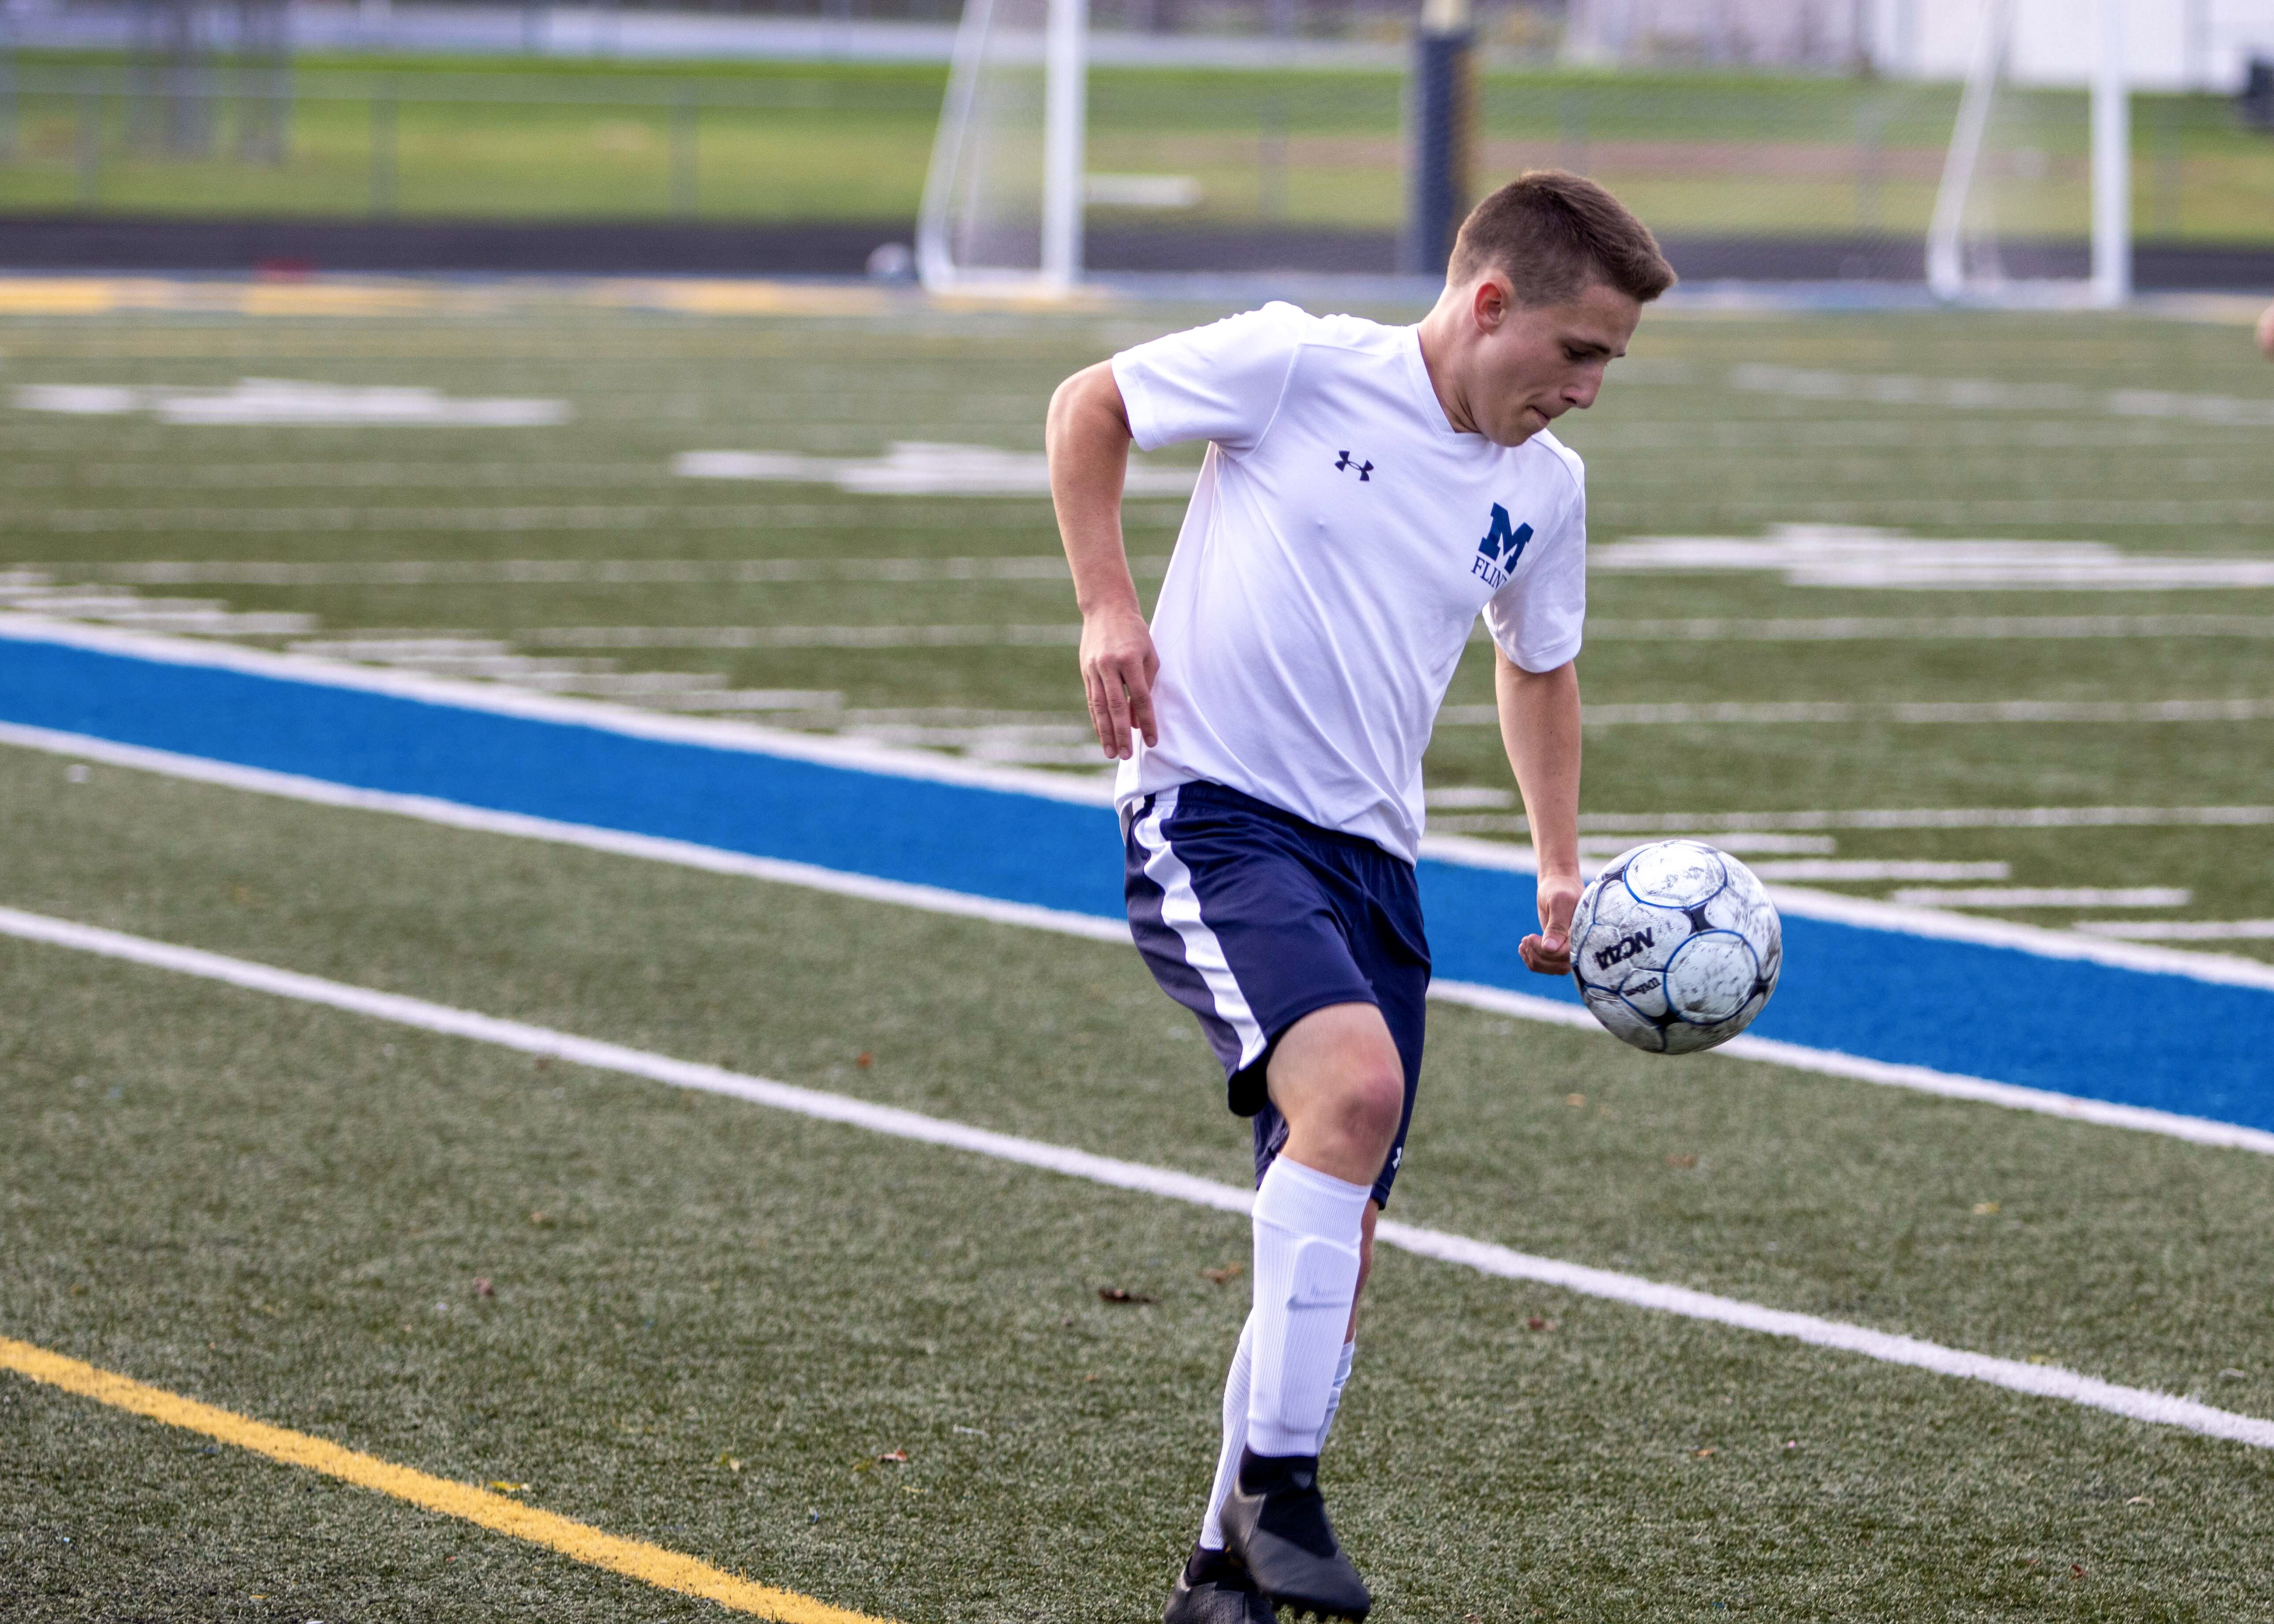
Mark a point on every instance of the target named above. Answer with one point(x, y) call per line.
point(1246, 1088)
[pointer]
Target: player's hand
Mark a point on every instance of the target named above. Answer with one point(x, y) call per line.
point(1118, 667)
point(2266, 333)
point(1549, 953)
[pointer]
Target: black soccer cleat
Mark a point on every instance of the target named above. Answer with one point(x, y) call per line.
point(1275, 1523)
point(1214, 1589)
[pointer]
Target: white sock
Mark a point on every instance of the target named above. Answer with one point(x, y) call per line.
point(1335, 1397)
point(1307, 1225)
point(1235, 1434)
point(1235, 1429)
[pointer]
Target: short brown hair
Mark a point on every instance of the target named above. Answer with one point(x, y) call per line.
point(1552, 234)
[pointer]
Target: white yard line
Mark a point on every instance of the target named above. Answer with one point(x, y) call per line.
point(1743, 842)
point(1840, 713)
point(1933, 817)
point(1982, 628)
point(1896, 628)
point(2181, 930)
point(800, 636)
point(1864, 557)
point(589, 572)
point(1988, 394)
point(2045, 896)
point(489, 520)
point(1486, 1256)
point(264, 401)
point(934, 900)
point(1850, 871)
point(921, 468)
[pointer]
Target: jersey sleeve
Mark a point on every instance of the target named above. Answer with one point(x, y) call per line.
point(1537, 617)
point(1221, 382)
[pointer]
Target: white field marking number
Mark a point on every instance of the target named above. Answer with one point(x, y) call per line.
point(919, 468)
point(281, 401)
point(1859, 556)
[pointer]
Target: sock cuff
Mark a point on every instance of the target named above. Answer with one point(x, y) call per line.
point(1306, 1201)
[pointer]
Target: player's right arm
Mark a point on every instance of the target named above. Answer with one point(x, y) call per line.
point(1086, 435)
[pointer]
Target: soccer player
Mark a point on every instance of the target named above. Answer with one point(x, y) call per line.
point(1367, 490)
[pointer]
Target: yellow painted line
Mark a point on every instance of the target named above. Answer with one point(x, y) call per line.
point(740, 297)
point(350, 296)
point(58, 296)
point(635, 1559)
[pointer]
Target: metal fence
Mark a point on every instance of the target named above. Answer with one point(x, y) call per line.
point(233, 139)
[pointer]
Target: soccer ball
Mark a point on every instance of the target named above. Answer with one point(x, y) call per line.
point(1675, 947)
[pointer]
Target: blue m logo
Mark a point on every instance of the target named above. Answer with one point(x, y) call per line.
point(1497, 553)
point(1502, 545)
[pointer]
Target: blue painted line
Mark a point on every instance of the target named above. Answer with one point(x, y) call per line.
point(2103, 1031)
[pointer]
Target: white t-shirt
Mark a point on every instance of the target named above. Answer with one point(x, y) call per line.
point(1340, 544)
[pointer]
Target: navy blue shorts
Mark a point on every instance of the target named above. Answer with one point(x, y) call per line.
point(1252, 918)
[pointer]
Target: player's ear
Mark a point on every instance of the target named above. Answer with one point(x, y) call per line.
point(1490, 301)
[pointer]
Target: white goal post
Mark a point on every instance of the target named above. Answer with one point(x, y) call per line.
point(1002, 205)
point(1963, 257)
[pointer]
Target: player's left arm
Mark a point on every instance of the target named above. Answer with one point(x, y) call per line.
point(1539, 728)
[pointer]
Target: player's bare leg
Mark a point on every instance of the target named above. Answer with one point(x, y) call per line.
point(1337, 1078)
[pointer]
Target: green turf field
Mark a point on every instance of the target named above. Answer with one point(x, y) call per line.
point(282, 1211)
point(572, 557)
point(1714, 153)
point(709, 1321)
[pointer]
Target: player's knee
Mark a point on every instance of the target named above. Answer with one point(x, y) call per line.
point(1373, 1102)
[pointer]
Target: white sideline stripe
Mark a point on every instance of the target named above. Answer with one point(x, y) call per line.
point(1889, 1074)
point(1830, 1063)
point(1525, 1006)
point(2041, 1381)
point(864, 756)
point(653, 848)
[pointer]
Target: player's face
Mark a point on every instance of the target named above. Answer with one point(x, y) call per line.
point(1533, 366)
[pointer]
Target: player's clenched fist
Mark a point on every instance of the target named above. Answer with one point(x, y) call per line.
point(1118, 667)
point(1549, 953)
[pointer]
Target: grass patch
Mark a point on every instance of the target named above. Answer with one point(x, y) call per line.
point(283, 1210)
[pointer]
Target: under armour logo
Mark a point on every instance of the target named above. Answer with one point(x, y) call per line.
point(1364, 468)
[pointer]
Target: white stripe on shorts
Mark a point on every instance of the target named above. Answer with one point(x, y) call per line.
point(1180, 910)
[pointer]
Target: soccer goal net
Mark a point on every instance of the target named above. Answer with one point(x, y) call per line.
point(1098, 137)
